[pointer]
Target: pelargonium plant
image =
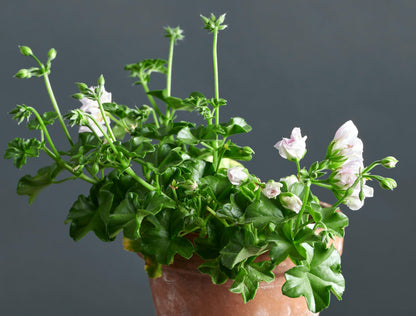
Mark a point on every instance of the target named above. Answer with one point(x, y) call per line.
point(175, 188)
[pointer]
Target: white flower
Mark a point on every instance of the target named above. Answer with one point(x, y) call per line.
point(348, 173)
point(91, 107)
point(291, 201)
point(347, 142)
point(354, 202)
point(237, 175)
point(272, 189)
point(346, 132)
point(290, 180)
point(293, 148)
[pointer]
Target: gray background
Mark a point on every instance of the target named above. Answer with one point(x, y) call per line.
point(313, 64)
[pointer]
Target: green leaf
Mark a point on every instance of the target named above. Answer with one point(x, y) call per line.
point(164, 157)
point(172, 102)
point(48, 118)
point(315, 279)
point(249, 276)
point(218, 187)
point(242, 245)
point(138, 146)
point(333, 221)
point(92, 213)
point(31, 186)
point(236, 152)
point(217, 238)
point(128, 217)
point(213, 269)
point(20, 149)
point(263, 212)
point(287, 245)
point(236, 125)
point(160, 237)
point(145, 68)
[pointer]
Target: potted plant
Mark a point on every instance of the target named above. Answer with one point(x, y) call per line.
point(184, 201)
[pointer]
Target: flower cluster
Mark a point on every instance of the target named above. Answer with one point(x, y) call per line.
point(347, 146)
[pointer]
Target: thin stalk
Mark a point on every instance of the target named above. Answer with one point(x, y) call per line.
point(102, 132)
point(113, 138)
point(45, 131)
point(298, 166)
point(215, 159)
point(150, 97)
point(53, 100)
point(131, 173)
point(169, 74)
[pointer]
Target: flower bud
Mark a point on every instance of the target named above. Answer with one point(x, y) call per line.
point(101, 81)
point(291, 201)
point(23, 74)
point(272, 189)
point(237, 175)
point(389, 162)
point(387, 183)
point(25, 50)
point(52, 54)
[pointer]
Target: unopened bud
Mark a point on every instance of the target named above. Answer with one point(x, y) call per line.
point(25, 50)
point(23, 74)
point(388, 183)
point(52, 54)
point(389, 162)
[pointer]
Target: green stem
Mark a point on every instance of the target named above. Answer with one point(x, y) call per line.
point(298, 167)
point(169, 74)
point(215, 214)
point(215, 158)
point(155, 118)
point(102, 132)
point(45, 131)
point(53, 100)
point(322, 185)
point(110, 131)
point(131, 173)
point(150, 97)
point(215, 60)
point(63, 164)
point(304, 202)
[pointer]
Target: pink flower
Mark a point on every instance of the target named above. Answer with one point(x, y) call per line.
point(91, 107)
point(354, 202)
point(348, 173)
point(272, 189)
point(237, 175)
point(293, 148)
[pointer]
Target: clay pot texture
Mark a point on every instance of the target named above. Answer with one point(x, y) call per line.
point(184, 291)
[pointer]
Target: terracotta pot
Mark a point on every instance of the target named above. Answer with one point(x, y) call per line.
point(183, 290)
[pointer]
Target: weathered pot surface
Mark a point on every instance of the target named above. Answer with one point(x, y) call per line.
point(183, 290)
